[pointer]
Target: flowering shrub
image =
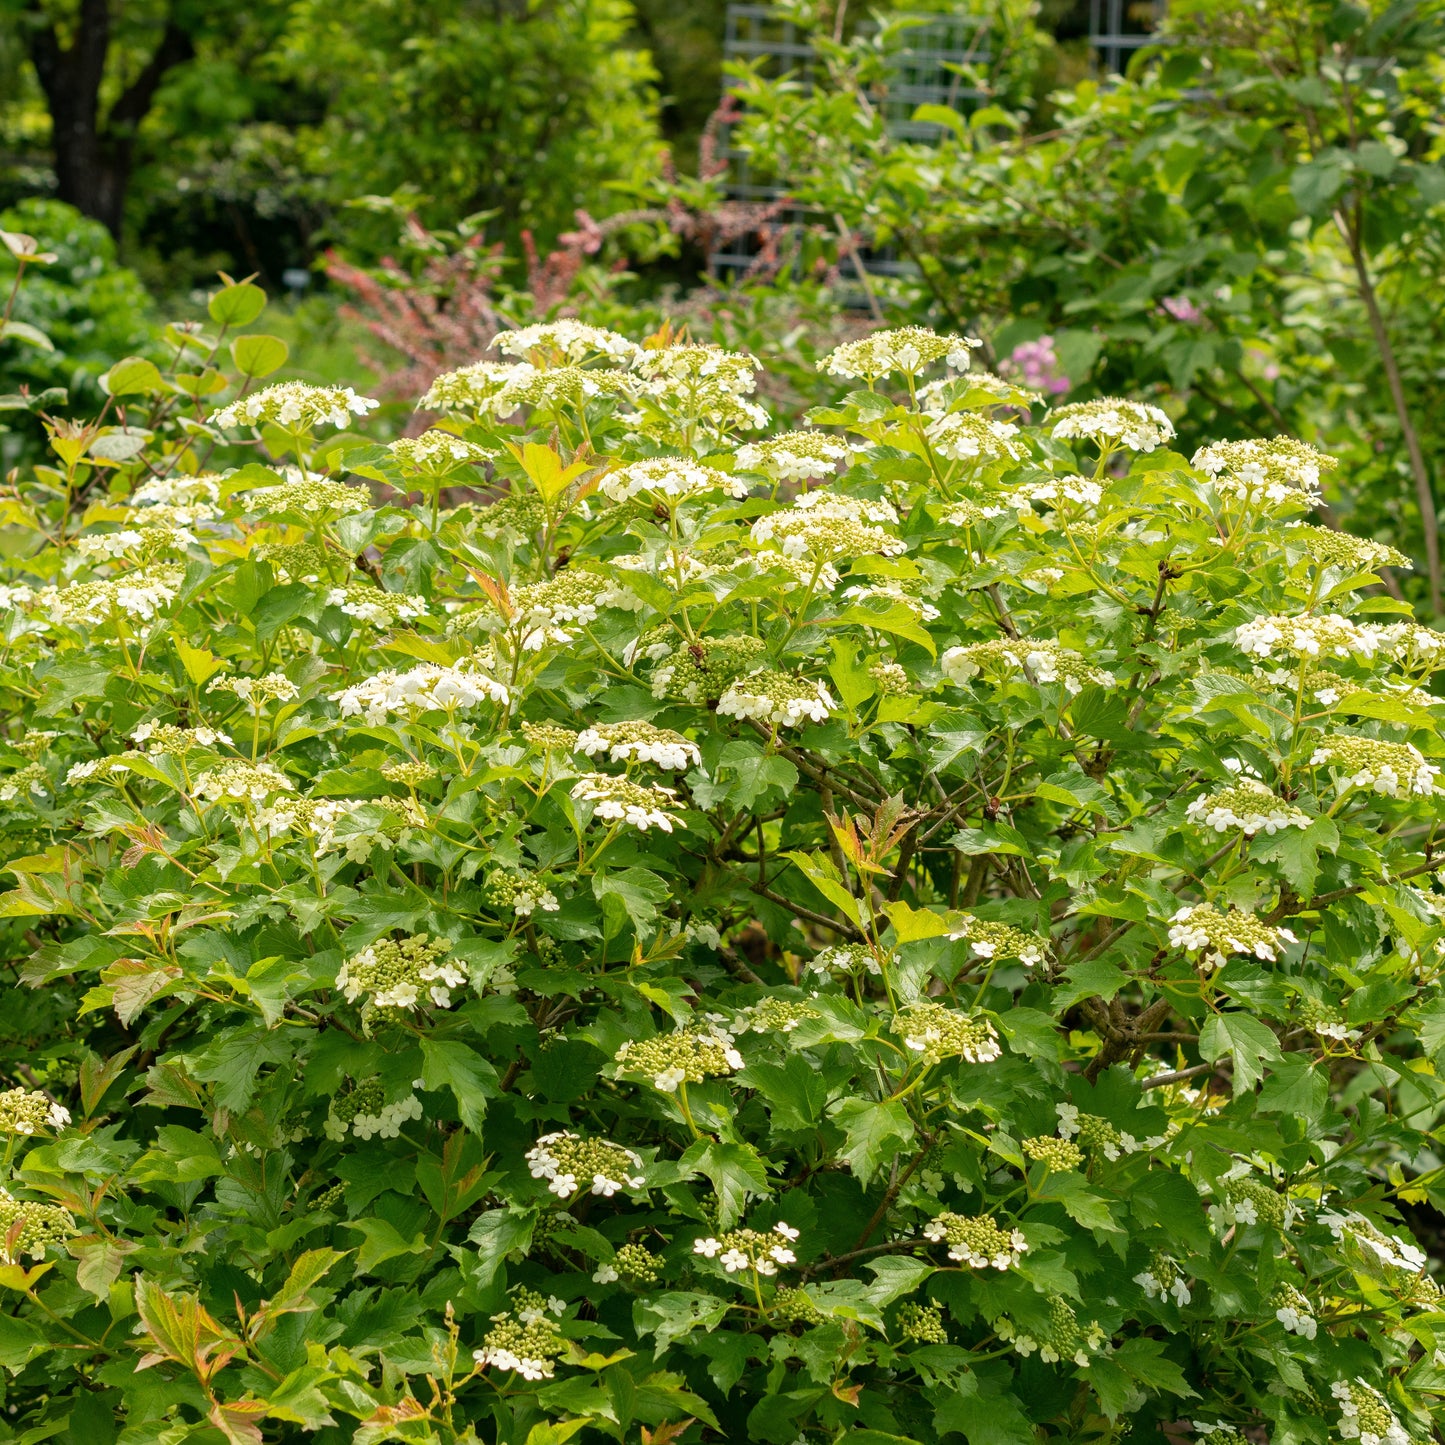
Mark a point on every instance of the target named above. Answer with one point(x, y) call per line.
point(719, 936)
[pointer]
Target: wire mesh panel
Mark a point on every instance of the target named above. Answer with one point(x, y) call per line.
point(929, 70)
point(924, 72)
point(1117, 28)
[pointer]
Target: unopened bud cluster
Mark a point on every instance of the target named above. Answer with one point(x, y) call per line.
point(531, 1347)
point(922, 1324)
point(27, 1228)
point(1365, 1416)
point(523, 896)
point(1164, 1280)
point(988, 939)
point(1058, 1155)
point(364, 1111)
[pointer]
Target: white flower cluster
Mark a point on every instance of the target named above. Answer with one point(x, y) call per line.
point(1416, 648)
point(1113, 422)
point(542, 611)
point(1096, 1135)
point(27, 1112)
point(365, 1112)
point(530, 1344)
point(972, 513)
point(1247, 805)
point(523, 896)
point(295, 405)
point(1339, 549)
point(968, 436)
point(640, 742)
point(620, 800)
point(140, 594)
point(110, 769)
point(669, 479)
point(1216, 1433)
point(1307, 637)
point(569, 1162)
point(988, 939)
point(704, 382)
point(1244, 1200)
point(177, 491)
point(1041, 660)
point(559, 387)
point(1293, 1311)
point(1394, 770)
point(1164, 1280)
point(1365, 1416)
point(32, 778)
point(1275, 471)
point(770, 1015)
point(1387, 1249)
point(240, 781)
point(687, 1056)
point(1063, 1338)
point(568, 341)
point(793, 456)
point(437, 453)
point(977, 1240)
point(846, 958)
point(908, 349)
point(144, 542)
point(826, 526)
point(167, 740)
point(753, 1250)
point(350, 824)
point(307, 497)
point(370, 604)
point(940, 1033)
point(392, 973)
point(428, 687)
point(256, 692)
point(483, 388)
point(777, 698)
point(1201, 926)
point(1082, 491)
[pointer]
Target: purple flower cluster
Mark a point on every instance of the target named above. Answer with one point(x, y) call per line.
point(1037, 366)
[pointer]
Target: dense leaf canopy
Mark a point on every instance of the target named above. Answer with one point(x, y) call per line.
point(603, 916)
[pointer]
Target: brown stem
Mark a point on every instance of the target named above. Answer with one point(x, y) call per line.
point(1424, 493)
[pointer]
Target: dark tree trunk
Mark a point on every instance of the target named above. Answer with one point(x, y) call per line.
point(93, 158)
